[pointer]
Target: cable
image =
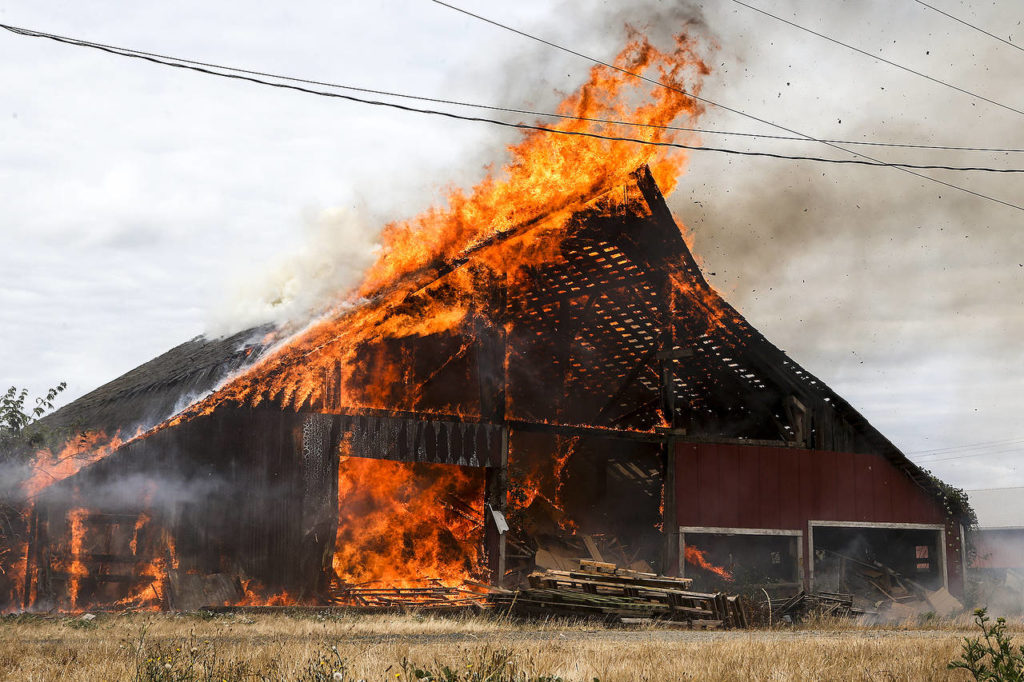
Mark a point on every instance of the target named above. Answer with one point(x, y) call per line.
point(988, 451)
point(966, 446)
point(727, 108)
point(882, 59)
point(976, 28)
point(978, 454)
point(190, 65)
point(437, 100)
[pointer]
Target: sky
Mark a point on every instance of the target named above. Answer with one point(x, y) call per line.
point(141, 206)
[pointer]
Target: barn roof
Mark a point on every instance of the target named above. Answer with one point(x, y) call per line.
point(156, 389)
point(617, 330)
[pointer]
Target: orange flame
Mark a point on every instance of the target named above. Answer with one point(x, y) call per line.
point(76, 454)
point(697, 558)
point(547, 180)
point(76, 568)
point(395, 529)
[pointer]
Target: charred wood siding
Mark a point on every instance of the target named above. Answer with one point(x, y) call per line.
point(238, 493)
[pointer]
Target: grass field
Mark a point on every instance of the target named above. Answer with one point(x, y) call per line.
point(373, 647)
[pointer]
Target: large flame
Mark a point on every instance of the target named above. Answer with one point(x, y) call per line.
point(76, 568)
point(403, 524)
point(547, 180)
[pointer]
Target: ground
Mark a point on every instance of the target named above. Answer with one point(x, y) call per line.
point(375, 647)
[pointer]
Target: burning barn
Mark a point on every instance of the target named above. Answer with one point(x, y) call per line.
point(537, 374)
point(606, 393)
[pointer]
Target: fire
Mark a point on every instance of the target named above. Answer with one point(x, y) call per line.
point(153, 560)
point(76, 568)
point(401, 524)
point(255, 594)
point(548, 179)
point(78, 452)
point(697, 558)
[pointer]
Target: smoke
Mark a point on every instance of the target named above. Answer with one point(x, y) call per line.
point(321, 268)
point(902, 294)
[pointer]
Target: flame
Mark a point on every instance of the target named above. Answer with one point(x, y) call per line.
point(697, 558)
point(548, 179)
point(394, 528)
point(150, 589)
point(255, 594)
point(76, 569)
point(77, 453)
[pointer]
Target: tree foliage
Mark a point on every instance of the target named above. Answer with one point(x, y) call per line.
point(955, 501)
point(16, 418)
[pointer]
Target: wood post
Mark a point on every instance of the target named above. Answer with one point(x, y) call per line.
point(495, 504)
point(492, 373)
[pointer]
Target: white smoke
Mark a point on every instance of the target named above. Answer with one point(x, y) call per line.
point(321, 267)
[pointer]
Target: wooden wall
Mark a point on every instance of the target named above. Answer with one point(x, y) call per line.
point(748, 486)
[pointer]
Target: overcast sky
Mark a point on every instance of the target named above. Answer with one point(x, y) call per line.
point(143, 205)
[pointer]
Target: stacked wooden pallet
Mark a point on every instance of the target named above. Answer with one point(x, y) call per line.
point(601, 590)
point(405, 597)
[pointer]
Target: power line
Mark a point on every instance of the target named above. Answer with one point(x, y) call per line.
point(727, 108)
point(490, 107)
point(192, 66)
point(977, 454)
point(966, 446)
point(976, 28)
point(881, 59)
point(972, 453)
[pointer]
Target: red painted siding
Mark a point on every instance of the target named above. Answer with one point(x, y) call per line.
point(748, 486)
point(742, 486)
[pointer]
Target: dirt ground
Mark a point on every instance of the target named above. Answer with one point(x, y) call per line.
point(401, 647)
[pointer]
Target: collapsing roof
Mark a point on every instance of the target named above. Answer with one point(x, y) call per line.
point(595, 324)
point(594, 332)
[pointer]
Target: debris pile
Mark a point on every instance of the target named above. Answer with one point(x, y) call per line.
point(602, 590)
point(385, 597)
point(801, 605)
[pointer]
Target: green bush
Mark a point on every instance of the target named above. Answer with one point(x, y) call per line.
point(991, 656)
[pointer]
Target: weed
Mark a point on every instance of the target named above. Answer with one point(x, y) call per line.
point(991, 656)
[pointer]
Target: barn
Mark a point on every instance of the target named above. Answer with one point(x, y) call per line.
point(568, 384)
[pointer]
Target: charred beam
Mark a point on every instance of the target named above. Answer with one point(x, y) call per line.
point(577, 430)
point(633, 375)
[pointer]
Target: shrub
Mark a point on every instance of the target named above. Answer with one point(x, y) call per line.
point(991, 656)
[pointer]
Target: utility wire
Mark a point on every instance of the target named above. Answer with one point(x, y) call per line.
point(976, 28)
point(972, 453)
point(489, 107)
point(727, 108)
point(966, 446)
point(191, 65)
point(881, 59)
point(977, 454)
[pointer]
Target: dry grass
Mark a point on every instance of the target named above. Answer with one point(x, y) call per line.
point(373, 646)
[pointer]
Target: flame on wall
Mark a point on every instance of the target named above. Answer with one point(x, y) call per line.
point(697, 558)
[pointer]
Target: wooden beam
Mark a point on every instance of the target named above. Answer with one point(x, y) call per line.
point(590, 431)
